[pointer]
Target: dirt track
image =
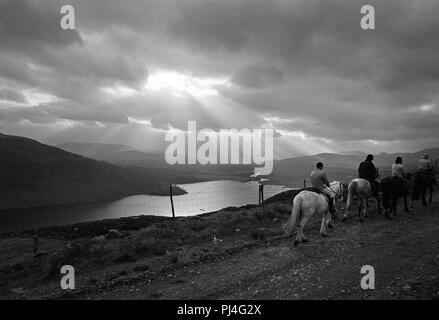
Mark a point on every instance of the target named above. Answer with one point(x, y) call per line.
point(404, 253)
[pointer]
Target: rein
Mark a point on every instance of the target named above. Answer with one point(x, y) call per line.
point(341, 191)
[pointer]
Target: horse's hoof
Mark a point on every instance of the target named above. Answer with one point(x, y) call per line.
point(330, 226)
point(296, 243)
point(304, 240)
point(361, 220)
point(325, 235)
point(343, 220)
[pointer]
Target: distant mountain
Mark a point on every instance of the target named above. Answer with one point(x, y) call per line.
point(35, 174)
point(342, 167)
point(352, 152)
point(117, 154)
point(139, 160)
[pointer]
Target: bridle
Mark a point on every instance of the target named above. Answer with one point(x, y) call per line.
point(338, 195)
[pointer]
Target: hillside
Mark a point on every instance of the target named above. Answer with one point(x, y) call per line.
point(34, 174)
point(117, 154)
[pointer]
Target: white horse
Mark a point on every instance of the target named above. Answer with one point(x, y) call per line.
point(305, 205)
point(362, 189)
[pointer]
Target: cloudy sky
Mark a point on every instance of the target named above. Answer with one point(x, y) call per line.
point(133, 69)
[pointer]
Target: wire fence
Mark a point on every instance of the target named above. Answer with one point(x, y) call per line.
point(235, 195)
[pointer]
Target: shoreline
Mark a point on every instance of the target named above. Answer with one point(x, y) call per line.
point(99, 227)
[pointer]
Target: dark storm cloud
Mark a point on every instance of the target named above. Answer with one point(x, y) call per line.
point(300, 65)
point(257, 76)
point(24, 21)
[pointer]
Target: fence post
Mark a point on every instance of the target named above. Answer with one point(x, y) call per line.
point(261, 194)
point(172, 201)
point(304, 183)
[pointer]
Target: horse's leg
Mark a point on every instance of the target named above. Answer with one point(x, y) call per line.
point(325, 221)
point(388, 211)
point(423, 195)
point(329, 222)
point(366, 207)
point(431, 194)
point(406, 207)
point(345, 215)
point(298, 235)
point(306, 217)
point(379, 204)
point(360, 208)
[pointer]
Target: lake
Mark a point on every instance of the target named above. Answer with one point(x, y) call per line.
point(200, 198)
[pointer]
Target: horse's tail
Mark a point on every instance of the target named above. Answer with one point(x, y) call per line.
point(351, 192)
point(295, 212)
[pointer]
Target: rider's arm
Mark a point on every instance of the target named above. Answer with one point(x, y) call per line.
point(372, 171)
point(325, 179)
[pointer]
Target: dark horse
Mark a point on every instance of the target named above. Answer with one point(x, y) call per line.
point(423, 182)
point(393, 188)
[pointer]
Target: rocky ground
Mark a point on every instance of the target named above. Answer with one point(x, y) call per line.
point(233, 254)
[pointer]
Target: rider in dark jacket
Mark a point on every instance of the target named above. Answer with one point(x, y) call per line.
point(368, 171)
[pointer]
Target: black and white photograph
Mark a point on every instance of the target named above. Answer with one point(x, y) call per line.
point(219, 150)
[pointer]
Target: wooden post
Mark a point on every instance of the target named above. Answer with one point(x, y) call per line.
point(304, 183)
point(261, 195)
point(172, 201)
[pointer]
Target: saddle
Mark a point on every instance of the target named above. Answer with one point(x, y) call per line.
point(328, 199)
point(315, 190)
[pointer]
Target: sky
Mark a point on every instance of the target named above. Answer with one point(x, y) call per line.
point(131, 70)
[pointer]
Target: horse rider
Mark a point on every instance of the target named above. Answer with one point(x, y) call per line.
point(368, 171)
point(399, 173)
point(426, 166)
point(320, 183)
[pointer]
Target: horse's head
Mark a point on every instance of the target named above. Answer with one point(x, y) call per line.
point(338, 188)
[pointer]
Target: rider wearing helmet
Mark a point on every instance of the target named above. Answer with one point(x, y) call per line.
point(320, 182)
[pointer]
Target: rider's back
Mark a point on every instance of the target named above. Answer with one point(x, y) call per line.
point(424, 165)
point(367, 170)
point(318, 179)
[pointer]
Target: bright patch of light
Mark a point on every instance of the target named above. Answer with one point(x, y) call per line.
point(423, 108)
point(64, 123)
point(34, 97)
point(179, 84)
point(139, 121)
point(427, 107)
point(298, 134)
point(373, 142)
point(119, 91)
